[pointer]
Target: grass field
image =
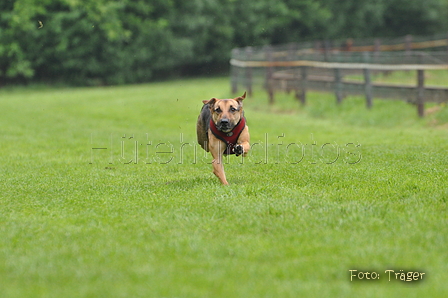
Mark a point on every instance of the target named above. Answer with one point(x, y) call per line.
point(104, 193)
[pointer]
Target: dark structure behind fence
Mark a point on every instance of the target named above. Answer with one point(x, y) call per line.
point(323, 66)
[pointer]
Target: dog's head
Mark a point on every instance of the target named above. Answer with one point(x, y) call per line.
point(226, 113)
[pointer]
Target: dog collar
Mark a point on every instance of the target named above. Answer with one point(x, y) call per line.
point(231, 137)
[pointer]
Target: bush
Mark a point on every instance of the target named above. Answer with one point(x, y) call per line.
point(94, 42)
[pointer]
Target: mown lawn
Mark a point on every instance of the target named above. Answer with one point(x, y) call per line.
point(326, 189)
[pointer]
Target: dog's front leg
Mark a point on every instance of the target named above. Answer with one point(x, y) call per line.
point(242, 149)
point(218, 170)
point(216, 149)
point(243, 145)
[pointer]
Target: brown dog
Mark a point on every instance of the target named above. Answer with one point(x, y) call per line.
point(222, 130)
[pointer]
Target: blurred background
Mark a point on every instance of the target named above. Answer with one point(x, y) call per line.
point(101, 42)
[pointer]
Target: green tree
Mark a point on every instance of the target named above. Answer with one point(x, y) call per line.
point(415, 17)
point(130, 41)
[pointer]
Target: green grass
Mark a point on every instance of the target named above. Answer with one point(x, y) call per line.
point(80, 222)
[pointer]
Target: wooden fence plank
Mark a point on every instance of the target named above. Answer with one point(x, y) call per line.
point(340, 65)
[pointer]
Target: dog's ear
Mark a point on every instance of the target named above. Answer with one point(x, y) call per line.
point(210, 102)
point(241, 98)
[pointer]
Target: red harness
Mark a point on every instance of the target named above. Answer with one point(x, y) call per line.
point(231, 137)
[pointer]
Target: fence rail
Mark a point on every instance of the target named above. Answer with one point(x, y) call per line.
point(294, 67)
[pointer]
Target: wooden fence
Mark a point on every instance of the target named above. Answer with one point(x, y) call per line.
point(298, 68)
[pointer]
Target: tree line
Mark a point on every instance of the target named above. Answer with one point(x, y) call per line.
point(97, 42)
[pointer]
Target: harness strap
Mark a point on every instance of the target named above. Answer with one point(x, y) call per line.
point(231, 137)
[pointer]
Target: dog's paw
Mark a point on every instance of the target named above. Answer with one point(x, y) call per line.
point(239, 150)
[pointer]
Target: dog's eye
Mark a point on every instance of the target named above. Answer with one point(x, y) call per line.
point(232, 109)
point(218, 110)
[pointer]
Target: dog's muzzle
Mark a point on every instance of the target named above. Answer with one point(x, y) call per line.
point(224, 125)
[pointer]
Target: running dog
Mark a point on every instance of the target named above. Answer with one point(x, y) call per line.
point(221, 129)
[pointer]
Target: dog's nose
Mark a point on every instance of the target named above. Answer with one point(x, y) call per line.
point(225, 122)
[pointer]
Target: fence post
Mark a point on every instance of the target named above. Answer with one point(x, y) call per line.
point(327, 50)
point(377, 47)
point(338, 85)
point(420, 92)
point(292, 51)
point(421, 58)
point(292, 54)
point(348, 45)
point(367, 80)
point(408, 44)
point(317, 49)
point(303, 82)
point(368, 87)
point(234, 73)
point(249, 52)
point(269, 73)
